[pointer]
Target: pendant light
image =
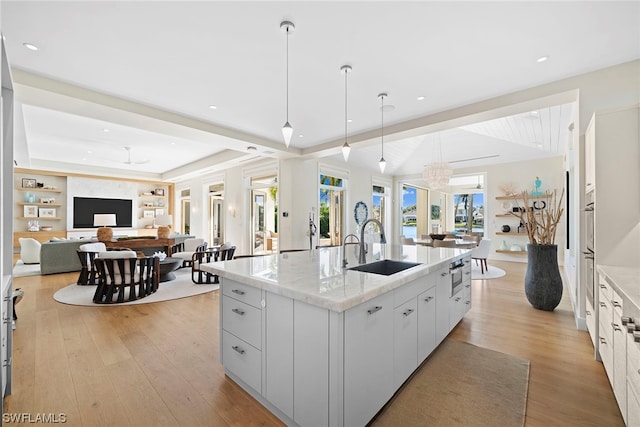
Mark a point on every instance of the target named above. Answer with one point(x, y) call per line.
point(438, 173)
point(346, 148)
point(287, 130)
point(382, 163)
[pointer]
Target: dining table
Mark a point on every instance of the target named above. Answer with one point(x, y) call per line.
point(460, 244)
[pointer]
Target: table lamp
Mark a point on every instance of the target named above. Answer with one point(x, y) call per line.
point(104, 221)
point(164, 222)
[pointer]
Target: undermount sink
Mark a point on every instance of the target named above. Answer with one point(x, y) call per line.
point(385, 267)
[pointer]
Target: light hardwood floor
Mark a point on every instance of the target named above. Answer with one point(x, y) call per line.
point(157, 364)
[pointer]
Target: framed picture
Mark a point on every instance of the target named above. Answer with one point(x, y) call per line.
point(30, 211)
point(148, 213)
point(159, 212)
point(47, 212)
point(435, 212)
point(29, 183)
point(159, 192)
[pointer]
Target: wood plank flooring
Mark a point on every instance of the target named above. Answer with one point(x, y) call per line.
point(158, 364)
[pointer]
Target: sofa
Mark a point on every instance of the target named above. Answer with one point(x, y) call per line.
point(61, 255)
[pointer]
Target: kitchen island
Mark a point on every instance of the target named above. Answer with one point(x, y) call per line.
point(319, 344)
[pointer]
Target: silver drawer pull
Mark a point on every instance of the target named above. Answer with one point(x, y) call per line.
point(615, 326)
point(603, 341)
point(467, 273)
point(429, 298)
point(457, 299)
point(237, 291)
point(603, 305)
point(238, 349)
point(468, 302)
point(238, 311)
point(407, 312)
point(443, 274)
point(588, 313)
point(374, 309)
point(603, 286)
point(467, 286)
point(616, 304)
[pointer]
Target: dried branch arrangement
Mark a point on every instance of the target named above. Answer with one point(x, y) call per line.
point(541, 225)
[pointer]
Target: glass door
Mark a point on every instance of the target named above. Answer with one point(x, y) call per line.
point(258, 220)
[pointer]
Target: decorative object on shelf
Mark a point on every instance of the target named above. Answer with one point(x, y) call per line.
point(506, 228)
point(542, 281)
point(346, 148)
point(508, 189)
point(29, 197)
point(46, 228)
point(104, 221)
point(160, 255)
point(539, 204)
point(506, 207)
point(382, 163)
point(515, 248)
point(503, 246)
point(33, 225)
point(521, 227)
point(438, 174)
point(29, 183)
point(47, 200)
point(159, 212)
point(537, 191)
point(360, 213)
point(163, 222)
point(287, 130)
point(148, 213)
point(159, 192)
point(47, 212)
point(30, 211)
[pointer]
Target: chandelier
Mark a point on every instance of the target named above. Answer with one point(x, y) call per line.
point(439, 173)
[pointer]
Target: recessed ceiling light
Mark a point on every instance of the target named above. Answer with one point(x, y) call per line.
point(84, 159)
point(350, 120)
point(105, 130)
point(539, 144)
point(30, 46)
point(420, 98)
point(301, 136)
point(213, 107)
point(173, 143)
point(89, 152)
point(542, 58)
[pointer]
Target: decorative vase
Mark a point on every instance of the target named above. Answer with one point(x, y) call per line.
point(503, 246)
point(542, 281)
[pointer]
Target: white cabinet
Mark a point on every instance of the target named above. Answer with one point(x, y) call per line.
point(368, 359)
point(426, 323)
point(443, 292)
point(279, 354)
point(405, 359)
point(619, 354)
point(590, 315)
point(633, 380)
point(605, 332)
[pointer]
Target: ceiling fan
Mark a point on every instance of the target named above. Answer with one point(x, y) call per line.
point(133, 162)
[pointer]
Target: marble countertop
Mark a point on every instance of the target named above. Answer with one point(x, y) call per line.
point(626, 281)
point(317, 277)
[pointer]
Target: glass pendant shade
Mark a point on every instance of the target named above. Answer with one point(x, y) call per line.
point(383, 164)
point(437, 175)
point(287, 132)
point(346, 149)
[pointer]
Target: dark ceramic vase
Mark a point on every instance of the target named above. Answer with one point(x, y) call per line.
point(542, 282)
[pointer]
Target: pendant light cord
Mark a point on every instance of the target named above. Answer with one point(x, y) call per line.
point(287, 74)
point(345, 105)
point(382, 126)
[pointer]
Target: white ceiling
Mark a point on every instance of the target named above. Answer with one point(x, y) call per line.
point(180, 57)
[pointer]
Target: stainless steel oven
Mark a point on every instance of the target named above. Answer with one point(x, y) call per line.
point(455, 271)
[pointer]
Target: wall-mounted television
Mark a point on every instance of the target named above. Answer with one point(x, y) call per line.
point(85, 207)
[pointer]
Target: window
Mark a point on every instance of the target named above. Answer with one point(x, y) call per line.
point(380, 205)
point(216, 217)
point(264, 213)
point(416, 211)
point(469, 212)
point(185, 211)
point(331, 210)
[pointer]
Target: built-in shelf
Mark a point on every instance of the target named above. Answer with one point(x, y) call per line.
point(39, 204)
point(39, 189)
point(40, 218)
point(511, 233)
point(503, 251)
point(519, 197)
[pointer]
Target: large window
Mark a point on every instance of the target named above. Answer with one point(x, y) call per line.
point(415, 211)
point(331, 210)
point(380, 204)
point(469, 212)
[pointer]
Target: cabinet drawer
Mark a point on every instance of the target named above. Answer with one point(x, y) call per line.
point(604, 288)
point(242, 292)
point(242, 320)
point(242, 360)
point(605, 348)
point(605, 314)
point(616, 303)
point(633, 362)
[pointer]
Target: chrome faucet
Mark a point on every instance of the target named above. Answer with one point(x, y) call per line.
point(344, 248)
point(363, 251)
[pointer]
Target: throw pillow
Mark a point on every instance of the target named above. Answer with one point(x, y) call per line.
point(29, 250)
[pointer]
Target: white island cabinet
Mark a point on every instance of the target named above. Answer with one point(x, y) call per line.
point(320, 345)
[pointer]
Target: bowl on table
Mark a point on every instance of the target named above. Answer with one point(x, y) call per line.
point(437, 236)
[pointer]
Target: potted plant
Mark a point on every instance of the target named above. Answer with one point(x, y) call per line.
point(542, 282)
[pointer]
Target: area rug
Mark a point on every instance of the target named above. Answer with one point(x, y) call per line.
point(491, 273)
point(21, 269)
point(180, 287)
point(461, 385)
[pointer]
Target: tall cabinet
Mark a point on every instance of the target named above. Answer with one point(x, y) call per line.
point(6, 222)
